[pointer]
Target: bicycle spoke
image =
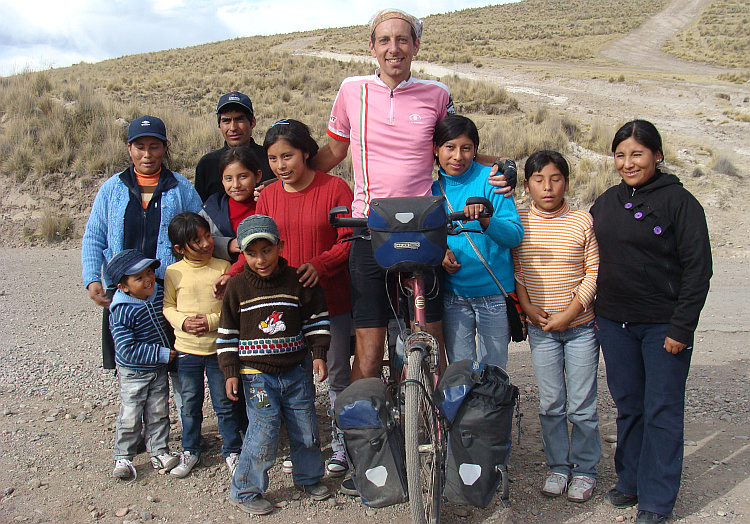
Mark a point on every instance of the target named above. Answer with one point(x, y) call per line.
point(423, 451)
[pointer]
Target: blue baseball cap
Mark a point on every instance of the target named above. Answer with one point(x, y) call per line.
point(256, 227)
point(128, 262)
point(235, 97)
point(147, 126)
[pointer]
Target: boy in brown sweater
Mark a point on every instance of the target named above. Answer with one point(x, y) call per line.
point(269, 323)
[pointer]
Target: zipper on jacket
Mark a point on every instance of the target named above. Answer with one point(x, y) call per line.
point(143, 228)
point(391, 115)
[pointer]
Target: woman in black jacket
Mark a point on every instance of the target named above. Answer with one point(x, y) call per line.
point(654, 272)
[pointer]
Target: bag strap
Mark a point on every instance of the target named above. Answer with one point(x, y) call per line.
point(471, 241)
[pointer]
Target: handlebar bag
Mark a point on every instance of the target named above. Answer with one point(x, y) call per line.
point(478, 401)
point(373, 442)
point(408, 233)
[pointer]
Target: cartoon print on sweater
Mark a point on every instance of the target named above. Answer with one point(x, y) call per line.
point(273, 323)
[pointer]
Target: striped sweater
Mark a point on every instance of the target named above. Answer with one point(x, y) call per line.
point(558, 259)
point(139, 330)
point(268, 324)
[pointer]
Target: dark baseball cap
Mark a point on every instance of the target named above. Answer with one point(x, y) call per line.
point(235, 97)
point(256, 227)
point(147, 126)
point(128, 262)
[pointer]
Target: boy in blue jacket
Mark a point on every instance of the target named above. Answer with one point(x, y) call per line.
point(142, 351)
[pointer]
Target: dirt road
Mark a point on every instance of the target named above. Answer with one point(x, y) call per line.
point(643, 47)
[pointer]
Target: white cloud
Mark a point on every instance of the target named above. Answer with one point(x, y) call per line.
point(58, 33)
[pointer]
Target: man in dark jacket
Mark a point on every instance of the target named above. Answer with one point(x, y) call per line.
point(236, 123)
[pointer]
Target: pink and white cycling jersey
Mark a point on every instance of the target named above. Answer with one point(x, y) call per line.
point(390, 134)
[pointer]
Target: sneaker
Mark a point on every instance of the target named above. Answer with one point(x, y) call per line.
point(317, 491)
point(555, 484)
point(165, 461)
point(254, 506)
point(187, 463)
point(647, 517)
point(232, 461)
point(619, 499)
point(348, 487)
point(337, 465)
point(581, 488)
point(286, 466)
point(124, 469)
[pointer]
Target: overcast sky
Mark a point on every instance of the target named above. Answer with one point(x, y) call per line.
point(38, 34)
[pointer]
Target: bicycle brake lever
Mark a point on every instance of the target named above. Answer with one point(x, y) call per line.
point(355, 237)
point(459, 230)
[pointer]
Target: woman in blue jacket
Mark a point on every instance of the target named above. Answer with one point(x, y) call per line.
point(132, 210)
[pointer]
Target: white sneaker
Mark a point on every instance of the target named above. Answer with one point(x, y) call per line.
point(232, 461)
point(581, 488)
point(287, 466)
point(124, 469)
point(165, 461)
point(187, 463)
point(555, 485)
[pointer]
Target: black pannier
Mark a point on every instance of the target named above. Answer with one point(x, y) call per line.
point(478, 400)
point(408, 233)
point(373, 442)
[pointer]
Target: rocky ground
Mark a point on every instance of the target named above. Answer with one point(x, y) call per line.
point(58, 410)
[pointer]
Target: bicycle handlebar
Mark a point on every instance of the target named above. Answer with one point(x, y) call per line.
point(486, 212)
point(337, 221)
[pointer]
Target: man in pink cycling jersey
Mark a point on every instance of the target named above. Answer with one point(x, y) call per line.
point(388, 118)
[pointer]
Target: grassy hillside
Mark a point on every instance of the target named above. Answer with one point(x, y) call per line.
point(720, 36)
point(65, 128)
point(532, 29)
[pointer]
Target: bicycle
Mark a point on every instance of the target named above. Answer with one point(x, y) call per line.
point(411, 235)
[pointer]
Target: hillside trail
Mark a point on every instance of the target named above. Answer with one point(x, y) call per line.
point(642, 47)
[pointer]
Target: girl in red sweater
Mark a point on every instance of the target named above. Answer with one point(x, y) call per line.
point(299, 204)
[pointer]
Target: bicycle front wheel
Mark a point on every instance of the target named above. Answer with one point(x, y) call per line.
point(423, 447)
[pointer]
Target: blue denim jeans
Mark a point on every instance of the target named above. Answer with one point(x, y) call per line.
point(144, 398)
point(271, 397)
point(476, 328)
point(647, 384)
point(190, 370)
point(565, 364)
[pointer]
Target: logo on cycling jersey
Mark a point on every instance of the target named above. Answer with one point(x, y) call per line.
point(415, 118)
point(406, 245)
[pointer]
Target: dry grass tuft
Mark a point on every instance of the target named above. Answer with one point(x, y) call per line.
point(739, 78)
point(590, 178)
point(725, 166)
point(53, 227)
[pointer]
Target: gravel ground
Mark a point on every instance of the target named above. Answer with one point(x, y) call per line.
point(58, 410)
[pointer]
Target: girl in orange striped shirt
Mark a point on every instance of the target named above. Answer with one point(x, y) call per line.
point(556, 269)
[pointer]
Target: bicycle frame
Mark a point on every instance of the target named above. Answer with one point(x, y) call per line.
point(423, 431)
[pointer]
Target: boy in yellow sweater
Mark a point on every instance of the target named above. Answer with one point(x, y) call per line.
point(194, 313)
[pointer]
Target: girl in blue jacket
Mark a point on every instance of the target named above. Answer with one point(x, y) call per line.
point(475, 321)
